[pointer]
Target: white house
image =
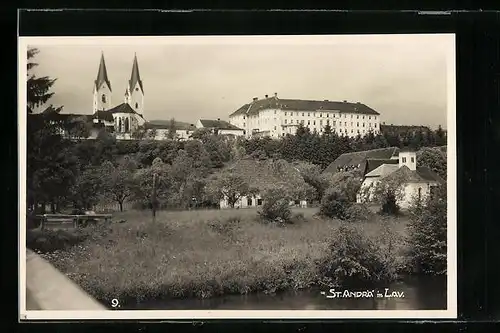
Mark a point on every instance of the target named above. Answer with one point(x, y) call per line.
point(417, 182)
point(222, 127)
point(276, 117)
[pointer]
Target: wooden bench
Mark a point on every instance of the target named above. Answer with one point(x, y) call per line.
point(67, 220)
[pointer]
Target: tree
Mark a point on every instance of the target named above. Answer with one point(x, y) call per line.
point(171, 134)
point(119, 181)
point(387, 192)
point(38, 88)
point(143, 180)
point(228, 186)
point(440, 136)
point(428, 234)
point(433, 158)
point(88, 188)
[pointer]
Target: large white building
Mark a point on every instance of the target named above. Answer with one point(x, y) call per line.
point(275, 117)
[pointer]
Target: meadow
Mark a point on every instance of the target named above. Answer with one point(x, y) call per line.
point(205, 253)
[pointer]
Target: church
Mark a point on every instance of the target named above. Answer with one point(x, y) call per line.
point(122, 119)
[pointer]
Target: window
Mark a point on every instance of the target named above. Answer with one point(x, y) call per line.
point(328, 115)
point(328, 122)
point(351, 116)
point(259, 202)
point(345, 116)
point(321, 122)
point(352, 131)
point(136, 105)
point(403, 159)
point(285, 113)
point(243, 124)
point(308, 114)
point(249, 201)
point(346, 123)
point(375, 125)
point(297, 121)
point(419, 193)
point(334, 122)
point(369, 124)
point(358, 131)
point(285, 121)
point(357, 117)
point(274, 111)
point(314, 122)
point(275, 128)
point(413, 160)
point(369, 117)
point(352, 124)
point(302, 114)
point(308, 122)
point(363, 117)
point(363, 124)
point(314, 114)
point(243, 117)
point(357, 124)
point(103, 98)
point(302, 122)
point(320, 115)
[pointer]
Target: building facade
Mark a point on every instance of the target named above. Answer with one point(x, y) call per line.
point(277, 117)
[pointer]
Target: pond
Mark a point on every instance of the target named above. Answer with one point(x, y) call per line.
point(412, 293)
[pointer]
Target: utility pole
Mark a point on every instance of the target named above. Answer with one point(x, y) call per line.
point(153, 196)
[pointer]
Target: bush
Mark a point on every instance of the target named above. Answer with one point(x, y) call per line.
point(355, 259)
point(359, 212)
point(428, 234)
point(276, 207)
point(389, 204)
point(225, 227)
point(334, 204)
point(53, 240)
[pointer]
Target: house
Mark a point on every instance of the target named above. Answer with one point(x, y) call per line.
point(266, 174)
point(364, 161)
point(220, 126)
point(161, 129)
point(276, 117)
point(416, 181)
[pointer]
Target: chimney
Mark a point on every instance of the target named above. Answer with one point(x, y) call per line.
point(275, 94)
point(255, 98)
point(218, 119)
point(345, 101)
point(267, 96)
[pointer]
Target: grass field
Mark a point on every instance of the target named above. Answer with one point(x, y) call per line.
point(202, 254)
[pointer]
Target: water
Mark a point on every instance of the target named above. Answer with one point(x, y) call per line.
point(420, 293)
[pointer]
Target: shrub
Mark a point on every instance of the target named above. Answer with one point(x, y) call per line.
point(359, 212)
point(225, 227)
point(335, 204)
point(53, 240)
point(276, 206)
point(428, 234)
point(389, 204)
point(353, 259)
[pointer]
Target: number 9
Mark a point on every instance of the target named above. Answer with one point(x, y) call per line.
point(114, 302)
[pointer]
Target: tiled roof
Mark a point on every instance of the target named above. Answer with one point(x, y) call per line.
point(220, 124)
point(303, 105)
point(122, 108)
point(383, 170)
point(360, 157)
point(102, 74)
point(267, 173)
point(165, 124)
point(372, 164)
point(422, 174)
point(103, 115)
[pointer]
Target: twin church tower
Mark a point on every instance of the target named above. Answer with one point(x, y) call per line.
point(134, 93)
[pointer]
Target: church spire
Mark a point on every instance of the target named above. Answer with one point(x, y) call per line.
point(102, 74)
point(135, 77)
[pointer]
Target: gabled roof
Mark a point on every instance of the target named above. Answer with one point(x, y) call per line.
point(135, 77)
point(383, 170)
point(219, 124)
point(421, 174)
point(165, 124)
point(360, 157)
point(122, 108)
point(102, 74)
point(267, 174)
point(303, 105)
point(372, 164)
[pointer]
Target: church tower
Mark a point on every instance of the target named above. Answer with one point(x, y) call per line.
point(102, 88)
point(134, 95)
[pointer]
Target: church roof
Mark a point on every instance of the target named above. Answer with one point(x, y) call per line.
point(303, 105)
point(102, 74)
point(421, 174)
point(135, 76)
point(122, 108)
point(372, 164)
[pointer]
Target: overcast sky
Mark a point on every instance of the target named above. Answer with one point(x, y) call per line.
point(403, 77)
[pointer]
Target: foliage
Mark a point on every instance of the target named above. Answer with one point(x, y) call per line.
point(347, 182)
point(387, 193)
point(276, 205)
point(143, 180)
point(356, 259)
point(428, 234)
point(88, 187)
point(228, 186)
point(335, 204)
point(119, 180)
point(433, 158)
point(38, 88)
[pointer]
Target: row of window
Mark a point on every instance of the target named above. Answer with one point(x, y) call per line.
point(403, 159)
point(321, 115)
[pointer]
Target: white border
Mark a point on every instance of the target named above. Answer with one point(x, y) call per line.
point(450, 312)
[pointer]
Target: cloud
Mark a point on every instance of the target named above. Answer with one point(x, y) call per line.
point(403, 78)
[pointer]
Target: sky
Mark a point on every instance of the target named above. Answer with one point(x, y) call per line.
point(403, 77)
